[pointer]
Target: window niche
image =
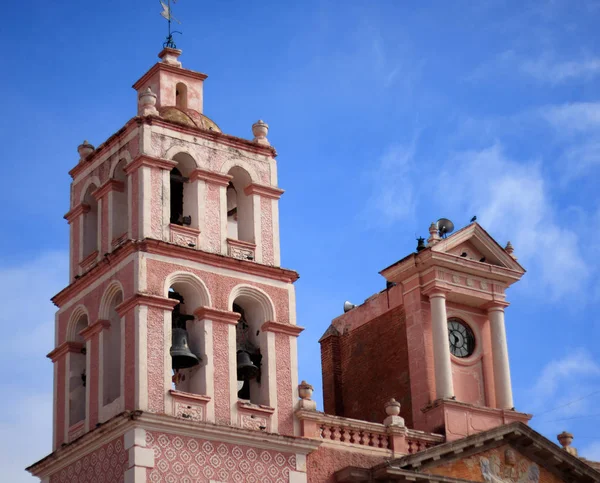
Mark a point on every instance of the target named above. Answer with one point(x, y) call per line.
point(111, 353)
point(240, 207)
point(120, 205)
point(90, 223)
point(78, 375)
point(181, 96)
point(184, 203)
point(187, 342)
point(251, 345)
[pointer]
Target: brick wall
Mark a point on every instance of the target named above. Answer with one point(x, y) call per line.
point(365, 367)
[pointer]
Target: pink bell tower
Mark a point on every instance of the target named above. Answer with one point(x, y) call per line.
point(175, 346)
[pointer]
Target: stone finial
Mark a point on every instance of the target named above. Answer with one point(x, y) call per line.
point(565, 439)
point(392, 409)
point(84, 150)
point(260, 129)
point(147, 103)
point(510, 250)
point(305, 391)
point(434, 235)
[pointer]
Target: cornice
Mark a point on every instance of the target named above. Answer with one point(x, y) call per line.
point(281, 328)
point(64, 349)
point(217, 315)
point(210, 177)
point(110, 185)
point(264, 191)
point(153, 162)
point(116, 137)
point(76, 211)
point(145, 299)
point(218, 137)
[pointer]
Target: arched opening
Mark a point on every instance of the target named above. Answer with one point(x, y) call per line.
point(184, 204)
point(188, 337)
point(251, 346)
point(240, 224)
point(120, 208)
point(181, 93)
point(232, 228)
point(111, 353)
point(90, 223)
point(77, 375)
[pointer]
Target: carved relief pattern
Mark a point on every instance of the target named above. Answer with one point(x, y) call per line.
point(509, 469)
point(250, 421)
point(483, 285)
point(105, 465)
point(241, 253)
point(191, 412)
point(183, 240)
point(187, 460)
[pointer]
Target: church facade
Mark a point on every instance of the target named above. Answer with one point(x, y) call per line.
point(176, 353)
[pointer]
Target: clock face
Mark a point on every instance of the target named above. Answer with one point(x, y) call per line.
point(462, 339)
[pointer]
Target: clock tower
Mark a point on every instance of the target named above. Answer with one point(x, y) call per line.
point(440, 324)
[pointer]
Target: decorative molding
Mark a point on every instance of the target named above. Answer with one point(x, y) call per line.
point(253, 416)
point(264, 191)
point(212, 177)
point(116, 242)
point(191, 407)
point(110, 185)
point(151, 161)
point(435, 287)
point(64, 349)
point(76, 430)
point(217, 315)
point(281, 328)
point(76, 211)
point(95, 328)
point(184, 236)
point(495, 305)
point(145, 299)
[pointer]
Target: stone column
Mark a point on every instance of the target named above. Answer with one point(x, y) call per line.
point(444, 388)
point(502, 384)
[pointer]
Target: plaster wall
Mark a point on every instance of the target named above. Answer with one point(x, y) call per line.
point(322, 464)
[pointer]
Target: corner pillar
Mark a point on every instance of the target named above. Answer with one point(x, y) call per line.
point(502, 382)
point(444, 387)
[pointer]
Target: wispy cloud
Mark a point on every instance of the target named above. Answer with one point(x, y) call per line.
point(512, 200)
point(578, 364)
point(392, 189)
point(544, 69)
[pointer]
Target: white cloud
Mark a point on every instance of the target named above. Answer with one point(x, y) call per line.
point(573, 118)
point(27, 320)
point(392, 192)
point(578, 364)
point(545, 69)
point(511, 199)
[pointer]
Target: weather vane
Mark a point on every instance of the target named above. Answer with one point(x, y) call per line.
point(166, 13)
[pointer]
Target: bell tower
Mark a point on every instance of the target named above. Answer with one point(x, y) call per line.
point(178, 329)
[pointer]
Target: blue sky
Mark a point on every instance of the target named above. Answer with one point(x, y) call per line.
point(386, 115)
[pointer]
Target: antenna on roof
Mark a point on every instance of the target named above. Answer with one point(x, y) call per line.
point(166, 13)
point(444, 226)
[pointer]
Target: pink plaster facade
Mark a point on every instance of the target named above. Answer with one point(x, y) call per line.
point(165, 429)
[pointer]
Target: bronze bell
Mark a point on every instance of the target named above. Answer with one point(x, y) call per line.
point(181, 355)
point(245, 367)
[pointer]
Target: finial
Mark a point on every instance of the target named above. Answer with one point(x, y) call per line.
point(260, 129)
point(510, 250)
point(434, 235)
point(84, 150)
point(565, 439)
point(305, 391)
point(392, 409)
point(147, 103)
point(420, 244)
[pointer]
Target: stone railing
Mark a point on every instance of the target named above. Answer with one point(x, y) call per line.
point(392, 436)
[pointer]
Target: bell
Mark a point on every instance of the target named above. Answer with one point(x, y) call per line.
point(182, 356)
point(245, 367)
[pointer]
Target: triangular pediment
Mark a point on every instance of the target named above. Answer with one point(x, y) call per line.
point(475, 244)
point(512, 453)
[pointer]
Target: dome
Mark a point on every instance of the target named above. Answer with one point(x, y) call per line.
point(188, 117)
